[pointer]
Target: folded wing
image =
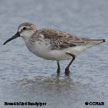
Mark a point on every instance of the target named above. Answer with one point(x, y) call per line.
point(61, 40)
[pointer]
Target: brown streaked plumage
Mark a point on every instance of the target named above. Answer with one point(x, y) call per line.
point(53, 44)
point(61, 40)
point(27, 25)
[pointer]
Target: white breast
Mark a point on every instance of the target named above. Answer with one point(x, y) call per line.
point(39, 48)
point(43, 49)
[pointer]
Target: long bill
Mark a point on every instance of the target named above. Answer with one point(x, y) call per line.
point(13, 37)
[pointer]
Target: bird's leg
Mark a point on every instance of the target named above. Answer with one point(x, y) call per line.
point(67, 72)
point(58, 69)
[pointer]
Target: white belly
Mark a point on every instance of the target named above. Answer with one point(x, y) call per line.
point(43, 50)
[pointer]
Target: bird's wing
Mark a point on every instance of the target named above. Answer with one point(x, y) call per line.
point(61, 40)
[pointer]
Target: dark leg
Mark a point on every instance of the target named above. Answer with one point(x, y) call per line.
point(58, 69)
point(67, 72)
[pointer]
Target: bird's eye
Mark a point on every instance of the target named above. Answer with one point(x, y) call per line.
point(24, 28)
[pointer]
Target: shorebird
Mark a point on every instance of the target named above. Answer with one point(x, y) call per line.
point(53, 44)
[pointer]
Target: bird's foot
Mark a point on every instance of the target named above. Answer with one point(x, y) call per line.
point(67, 72)
point(58, 72)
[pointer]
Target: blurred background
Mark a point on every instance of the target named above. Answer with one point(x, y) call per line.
point(26, 77)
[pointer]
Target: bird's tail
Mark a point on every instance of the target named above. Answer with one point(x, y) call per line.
point(94, 42)
point(97, 41)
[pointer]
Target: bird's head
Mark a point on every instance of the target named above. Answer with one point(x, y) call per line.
point(25, 30)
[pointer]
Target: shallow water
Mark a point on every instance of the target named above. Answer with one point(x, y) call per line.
point(26, 77)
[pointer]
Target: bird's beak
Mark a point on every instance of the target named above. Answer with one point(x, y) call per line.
point(13, 37)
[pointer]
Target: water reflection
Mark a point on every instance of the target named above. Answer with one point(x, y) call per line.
point(56, 91)
point(49, 84)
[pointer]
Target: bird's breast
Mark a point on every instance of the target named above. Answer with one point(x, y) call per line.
point(39, 48)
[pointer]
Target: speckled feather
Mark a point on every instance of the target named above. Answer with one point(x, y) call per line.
point(60, 40)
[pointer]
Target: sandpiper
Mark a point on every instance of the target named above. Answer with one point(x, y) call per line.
point(53, 44)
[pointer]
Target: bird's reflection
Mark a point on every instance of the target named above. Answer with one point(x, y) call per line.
point(49, 84)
